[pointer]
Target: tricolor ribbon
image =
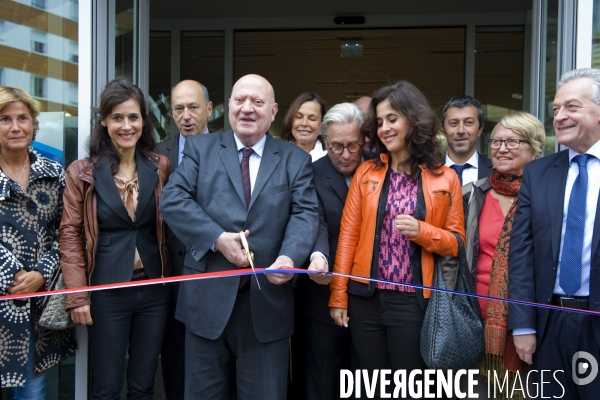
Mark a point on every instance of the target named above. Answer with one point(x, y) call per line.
point(285, 270)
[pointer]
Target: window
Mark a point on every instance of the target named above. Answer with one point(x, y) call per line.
point(39, 86)
point(41, 4)
point(38, 47)
point(39, 41)
point(75, 10)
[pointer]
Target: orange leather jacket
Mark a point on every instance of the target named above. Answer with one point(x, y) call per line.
point(443, 215)
point(79, 226)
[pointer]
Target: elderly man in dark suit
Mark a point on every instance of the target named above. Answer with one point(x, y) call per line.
point(244, 180)
point(191, 109)
point(554, 254)
point(329, 346)
point(462, 121)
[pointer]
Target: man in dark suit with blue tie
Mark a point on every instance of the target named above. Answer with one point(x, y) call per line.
point(244, 180)
point(191, 109)
point(554, 255)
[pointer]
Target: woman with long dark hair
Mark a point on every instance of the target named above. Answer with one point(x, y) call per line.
point(111, 231)
point(402, 208)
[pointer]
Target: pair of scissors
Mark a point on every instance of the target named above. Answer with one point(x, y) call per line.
point(249, 255)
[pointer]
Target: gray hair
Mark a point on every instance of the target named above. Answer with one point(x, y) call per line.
point(343, 113)
point(204, 91)
point(590, 73)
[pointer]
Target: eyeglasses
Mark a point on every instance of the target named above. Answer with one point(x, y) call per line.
point(339, 149)
point(511, 144)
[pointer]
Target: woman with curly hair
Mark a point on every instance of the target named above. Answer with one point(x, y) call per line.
point(402, 208)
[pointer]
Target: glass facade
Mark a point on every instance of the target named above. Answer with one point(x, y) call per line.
point(498, 75)
point(39, 53)
point(159, 90)
point(433, 59)
point(548, 70)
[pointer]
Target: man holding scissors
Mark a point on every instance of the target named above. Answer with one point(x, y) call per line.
point(245, 181)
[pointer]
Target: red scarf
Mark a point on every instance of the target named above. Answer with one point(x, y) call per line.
point(498, 342)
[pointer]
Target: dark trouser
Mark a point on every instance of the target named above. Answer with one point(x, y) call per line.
point(236, 362)
point(566, 334)
point(328, 350)
point(386, 331)
point(133, 317)
point(172, 355)
point(298, 344)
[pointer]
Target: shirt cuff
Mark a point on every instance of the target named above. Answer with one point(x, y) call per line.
point(523, 331)
point(318, 253)
point(213, 245)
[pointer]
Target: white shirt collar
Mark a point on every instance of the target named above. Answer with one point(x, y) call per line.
point(594, 150)
point(473, 161)
point(258, 147)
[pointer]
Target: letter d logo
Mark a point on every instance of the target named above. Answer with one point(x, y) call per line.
point(583, 367)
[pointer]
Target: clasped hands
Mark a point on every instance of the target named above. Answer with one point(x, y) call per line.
point(26, 282)
point(230, 245)
point(407, 225)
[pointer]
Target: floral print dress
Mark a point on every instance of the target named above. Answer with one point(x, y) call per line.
point(29, 222)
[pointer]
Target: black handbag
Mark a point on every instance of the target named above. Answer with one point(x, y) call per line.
point(452, 332)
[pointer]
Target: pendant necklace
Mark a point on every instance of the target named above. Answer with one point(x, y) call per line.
point(12, 173)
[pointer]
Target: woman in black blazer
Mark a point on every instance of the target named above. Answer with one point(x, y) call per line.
point(111, 232)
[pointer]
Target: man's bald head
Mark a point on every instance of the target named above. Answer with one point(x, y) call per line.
point(191, 107)
point(252, 108)
point(363, 103)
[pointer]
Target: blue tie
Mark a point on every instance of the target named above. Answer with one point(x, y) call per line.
point(570, 264)
point(459, 170)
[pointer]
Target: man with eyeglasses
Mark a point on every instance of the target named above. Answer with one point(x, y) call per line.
point(328, 345)
point(462, 121)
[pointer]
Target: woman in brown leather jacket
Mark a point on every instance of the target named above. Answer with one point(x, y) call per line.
point(401, 209)
point(111, 232)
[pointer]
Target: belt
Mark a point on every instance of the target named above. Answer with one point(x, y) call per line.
point(580, 303)
point(139, 274)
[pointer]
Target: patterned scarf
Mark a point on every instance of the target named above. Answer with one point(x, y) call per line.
point(499, 347)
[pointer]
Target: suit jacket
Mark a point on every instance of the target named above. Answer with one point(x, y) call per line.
point(484, 169)
point(331, 191)
point(170, 148)
point(205, 197)
point(118, 235)
point(535, 244)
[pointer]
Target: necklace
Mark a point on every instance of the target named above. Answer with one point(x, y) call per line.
point(12, 173)
point(125, 176)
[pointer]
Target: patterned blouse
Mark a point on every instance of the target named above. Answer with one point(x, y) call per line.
point(29, 222)
point(129, 192)
point(394, 247)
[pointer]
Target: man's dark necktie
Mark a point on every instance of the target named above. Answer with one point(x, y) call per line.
point(245, 166)
point(459, 170)
point(570, 263)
